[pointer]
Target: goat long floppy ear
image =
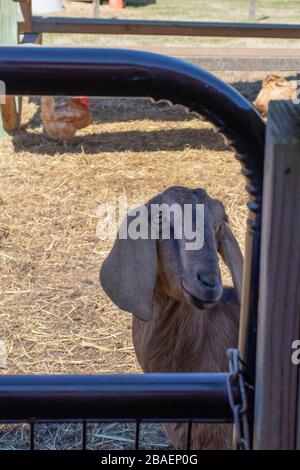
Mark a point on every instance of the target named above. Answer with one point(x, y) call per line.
point(231, 253)
point(128, 274)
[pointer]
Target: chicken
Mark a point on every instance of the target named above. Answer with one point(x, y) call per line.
point(275, 87)
point(61, 121)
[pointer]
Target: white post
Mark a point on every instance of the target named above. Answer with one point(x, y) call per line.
point(252, 10)
point(8, 35)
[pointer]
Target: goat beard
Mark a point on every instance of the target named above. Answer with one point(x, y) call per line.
point(200, 305)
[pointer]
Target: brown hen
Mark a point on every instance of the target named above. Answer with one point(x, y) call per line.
point(61, 121)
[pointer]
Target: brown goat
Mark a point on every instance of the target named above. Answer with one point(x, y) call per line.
point(184, 321)
point(274, 87)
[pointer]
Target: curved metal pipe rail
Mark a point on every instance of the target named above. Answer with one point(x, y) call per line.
point(112, 72)
point(160, 397)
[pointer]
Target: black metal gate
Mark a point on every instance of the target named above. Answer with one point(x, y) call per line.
point(150, 397)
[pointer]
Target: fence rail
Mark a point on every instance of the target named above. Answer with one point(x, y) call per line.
point(162, 28)
point(201, 397)
point(213, 58)
point(102, 72)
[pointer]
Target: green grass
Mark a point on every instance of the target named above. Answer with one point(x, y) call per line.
point(214, 10)
point(268, 11)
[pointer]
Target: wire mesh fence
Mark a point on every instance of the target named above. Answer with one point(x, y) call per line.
point(112, 436)
point(118, 412)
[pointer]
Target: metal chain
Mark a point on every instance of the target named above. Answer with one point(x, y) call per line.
point(239, 408)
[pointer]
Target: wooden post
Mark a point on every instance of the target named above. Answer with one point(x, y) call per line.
point(26, 8)
point(277, 396)
point(8, 35)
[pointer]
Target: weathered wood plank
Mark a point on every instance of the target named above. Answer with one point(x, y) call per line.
point(26, 9)
point(279, 299)
point(298, 416)
point(245, 64)
point(9, 114)
point(234, 58)
point(163, 28)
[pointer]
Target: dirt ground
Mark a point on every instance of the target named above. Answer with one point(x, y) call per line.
point(54, 317)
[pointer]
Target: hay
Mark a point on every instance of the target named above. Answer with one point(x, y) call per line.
point(54, 318)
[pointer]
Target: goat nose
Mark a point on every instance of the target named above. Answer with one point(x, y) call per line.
point(206, 281)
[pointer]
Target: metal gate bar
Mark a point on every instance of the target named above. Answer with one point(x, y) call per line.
point(112, 72)
point(165, 397)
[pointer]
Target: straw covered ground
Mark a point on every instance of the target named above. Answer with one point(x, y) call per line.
point(54, 318)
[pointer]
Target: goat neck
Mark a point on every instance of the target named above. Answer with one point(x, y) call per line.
point(188, 335)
